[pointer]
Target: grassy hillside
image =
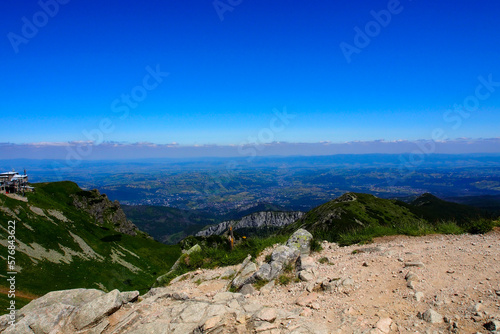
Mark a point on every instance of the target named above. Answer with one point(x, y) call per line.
point(433, 209)
point(356, 217)
point(60, 246)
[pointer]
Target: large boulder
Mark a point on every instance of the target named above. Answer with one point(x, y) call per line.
point(301, 240)
point(281, 257)
point(285, 255)
point(92, 312)
point(245, 274)
point(61, 311)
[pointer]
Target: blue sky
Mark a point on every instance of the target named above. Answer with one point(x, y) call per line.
point(225, 77)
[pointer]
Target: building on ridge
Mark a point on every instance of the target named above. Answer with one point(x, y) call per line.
point(14, 183)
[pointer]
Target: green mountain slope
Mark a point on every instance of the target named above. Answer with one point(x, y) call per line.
point(435, 209)
point(351, 212)
point(355, 217)
point(69, 238)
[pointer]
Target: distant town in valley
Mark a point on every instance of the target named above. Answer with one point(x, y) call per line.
point(294, 183)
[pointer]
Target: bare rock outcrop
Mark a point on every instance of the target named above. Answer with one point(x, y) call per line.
point(254, 221)
point(103, 210)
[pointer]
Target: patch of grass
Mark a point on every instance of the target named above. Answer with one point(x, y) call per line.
point(324, 260)
point(198, 281)
point(260, 283)
point(268, 258)
point(284, 279)
point(479, 226)
point(417, 228)
point(288, 268)
point(316, 245)
point(229, 277)
point(449, 228)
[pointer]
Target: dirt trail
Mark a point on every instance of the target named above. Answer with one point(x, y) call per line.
point(456, 275)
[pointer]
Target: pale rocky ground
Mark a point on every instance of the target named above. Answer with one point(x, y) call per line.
point(460, 279)
point(363, 289)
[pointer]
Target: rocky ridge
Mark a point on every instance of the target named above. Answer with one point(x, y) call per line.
point(431, 284)
point(254, 221)
point(102, 209)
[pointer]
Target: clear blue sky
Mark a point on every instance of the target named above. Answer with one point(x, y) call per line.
point(226, 76)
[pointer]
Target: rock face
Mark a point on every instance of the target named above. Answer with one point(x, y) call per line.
point(160, 311)
point(102, 209)
point(68, 311)
point(254, 221)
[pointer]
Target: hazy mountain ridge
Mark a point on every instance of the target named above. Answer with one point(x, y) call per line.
point(254, 222)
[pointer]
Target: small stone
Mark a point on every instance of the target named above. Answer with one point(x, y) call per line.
point(180, 296)
point(419, 296)
point(493, 325)
point(384, 325)
point(307, 312)
point(432, 316)
point(306, 262)
point(247, 289)
point(306, 299)
point(348, 282)
point(365, 264)
point(211, 322)
point(411, 277)
point(315, 305)
point(306, 276)
point(310, 287)
point(265, 327)
point(266, 314)
point(414, 264)
point(477, 307)
point(267, 288)
point(411, 285)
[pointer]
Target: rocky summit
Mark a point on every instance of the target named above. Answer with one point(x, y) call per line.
point(398, 284)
